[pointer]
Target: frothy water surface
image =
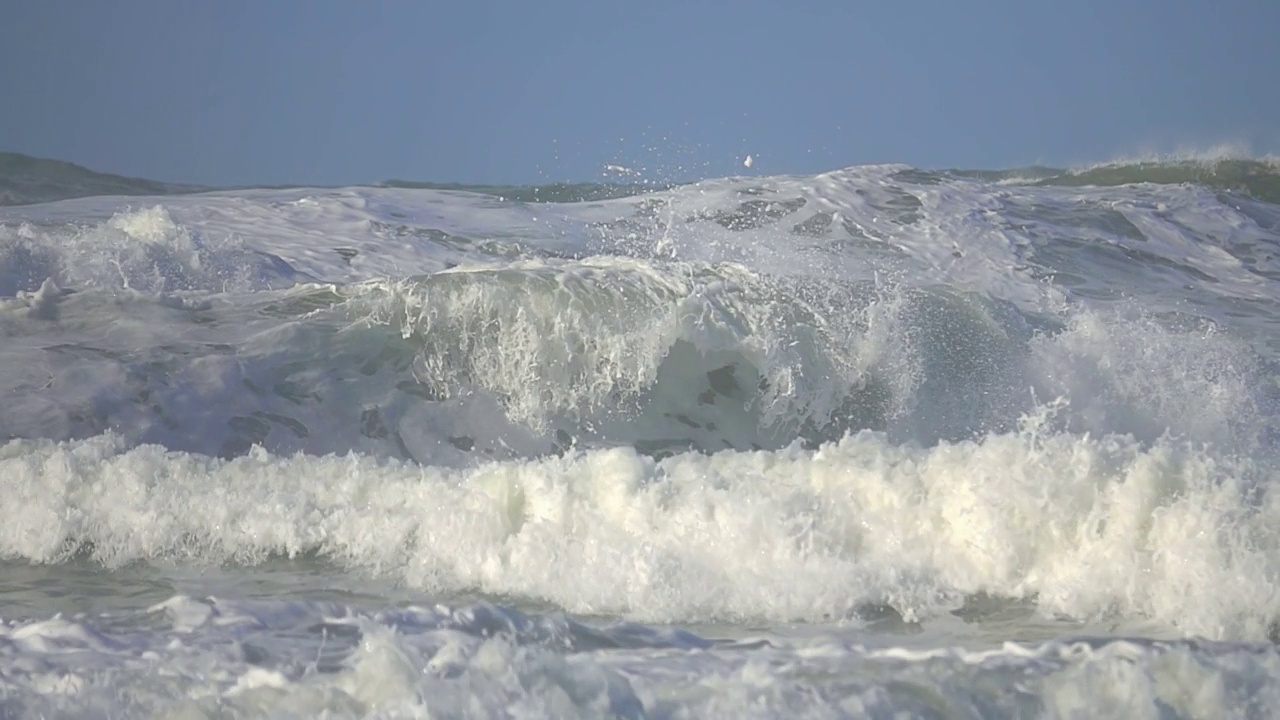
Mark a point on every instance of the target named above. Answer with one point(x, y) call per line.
point(876, 441)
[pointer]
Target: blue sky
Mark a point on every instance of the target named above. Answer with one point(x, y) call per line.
point(327, 92)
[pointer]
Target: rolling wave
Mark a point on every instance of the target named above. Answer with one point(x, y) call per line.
point(362, 450)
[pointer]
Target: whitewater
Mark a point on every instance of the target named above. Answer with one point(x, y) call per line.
point(879, 442)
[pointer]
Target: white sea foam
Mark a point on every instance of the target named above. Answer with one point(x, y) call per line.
point(482, 661)
point(143, 250)
point(878, 224)
point(1087, 527)
point(1026, 409)
point(540, 355)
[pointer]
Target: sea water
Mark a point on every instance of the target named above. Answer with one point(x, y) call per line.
point(880, 442)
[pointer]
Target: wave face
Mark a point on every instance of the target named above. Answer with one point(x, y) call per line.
point(1257, 178)
point(842, 411)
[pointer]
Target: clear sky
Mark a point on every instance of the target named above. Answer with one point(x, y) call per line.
point(330, 92)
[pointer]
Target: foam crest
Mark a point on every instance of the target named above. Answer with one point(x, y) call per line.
point(584, 346)
point(135, 250)
point(1207, 156)
point(1125, 371)
point(595, 337)
point(1085, 527)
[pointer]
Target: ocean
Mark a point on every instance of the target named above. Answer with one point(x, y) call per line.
point(881, 442)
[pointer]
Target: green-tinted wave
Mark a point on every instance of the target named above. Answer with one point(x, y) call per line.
point(1257, 178)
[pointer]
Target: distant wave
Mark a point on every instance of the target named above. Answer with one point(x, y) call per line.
point(1257, 178)
point(26, 180)
point(550, 192)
